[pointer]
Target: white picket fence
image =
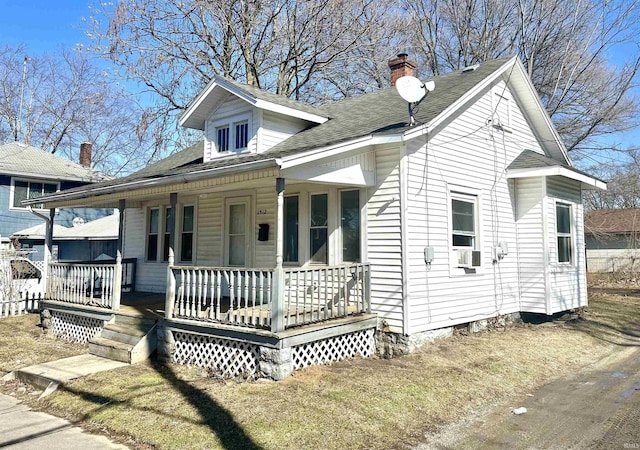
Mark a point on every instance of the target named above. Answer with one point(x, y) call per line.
point(17, 296)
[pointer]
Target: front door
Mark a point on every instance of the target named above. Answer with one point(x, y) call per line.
point(237, 232)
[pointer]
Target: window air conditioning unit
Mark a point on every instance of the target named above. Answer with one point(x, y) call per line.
point(468, 258)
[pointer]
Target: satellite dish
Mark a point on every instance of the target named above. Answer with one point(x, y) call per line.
point(410, 89)
point(413, 91)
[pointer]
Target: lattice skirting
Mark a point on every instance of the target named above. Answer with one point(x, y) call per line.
point(75, 328)
point(227, 357)
point(360, 343)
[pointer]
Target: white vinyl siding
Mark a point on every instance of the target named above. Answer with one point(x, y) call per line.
point(209, 231)
point(150, 276)
point(384, 239)
point(567, 281)
point(276, 128)
point(531, 243)
point(465, 153)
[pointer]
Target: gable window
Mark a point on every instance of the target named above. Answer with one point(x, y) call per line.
point(153, 227)
point(563, 229)
point(242, 135)
point(291, 229)
point(350, 225)
point(27, 190)
point(318, 229)
point(186, 240)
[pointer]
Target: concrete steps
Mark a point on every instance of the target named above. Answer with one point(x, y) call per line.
point(128, 339)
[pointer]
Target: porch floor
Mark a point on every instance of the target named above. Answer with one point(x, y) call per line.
point(149, 305)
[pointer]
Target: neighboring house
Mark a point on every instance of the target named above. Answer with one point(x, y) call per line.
point(27, 173)
point(90, 241)
point(292, 232)
point(613, 240)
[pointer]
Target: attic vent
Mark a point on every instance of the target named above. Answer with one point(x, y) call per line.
point(470, 68)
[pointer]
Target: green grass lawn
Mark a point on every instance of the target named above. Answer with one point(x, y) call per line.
point(358, 403)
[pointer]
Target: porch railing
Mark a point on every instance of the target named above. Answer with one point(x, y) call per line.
point(96, 283)
point(246, 297)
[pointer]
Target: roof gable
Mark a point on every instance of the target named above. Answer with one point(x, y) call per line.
point(217, 91)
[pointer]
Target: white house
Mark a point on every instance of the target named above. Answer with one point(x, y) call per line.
point(291, 232)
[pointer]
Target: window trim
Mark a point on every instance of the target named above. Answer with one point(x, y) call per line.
point(309, 261)
point(180, 232)
point(28, 180)
point(230, 124)
point(569, 235)
point(148, 233)
point(340, 234)
point(300, 247)
point(457, 192)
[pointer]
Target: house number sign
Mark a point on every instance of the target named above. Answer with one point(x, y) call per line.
point(262, 212)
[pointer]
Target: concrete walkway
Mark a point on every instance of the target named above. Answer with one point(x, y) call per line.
point(24, 429)
point(51, 374)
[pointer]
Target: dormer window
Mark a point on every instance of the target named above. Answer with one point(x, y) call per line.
point(242, 135)
point(230, 134)
point(223, 138)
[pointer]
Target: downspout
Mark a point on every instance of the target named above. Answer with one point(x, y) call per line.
point(404, 247)
point(48, 242)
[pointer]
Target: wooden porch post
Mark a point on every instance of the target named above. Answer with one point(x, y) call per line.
point(277, 286)
point(117, 282)
point(171, 281)
point(48, 247)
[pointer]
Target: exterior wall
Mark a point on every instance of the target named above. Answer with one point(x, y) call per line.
point(384, 239)
point(233, 110)
point(276, 128)
point(531, 243)
point(150, 276)
point(568, 282)
point(16, 219)
point(468, 155)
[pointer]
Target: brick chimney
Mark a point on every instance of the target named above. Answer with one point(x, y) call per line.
point(85, 154)
point(401, 66)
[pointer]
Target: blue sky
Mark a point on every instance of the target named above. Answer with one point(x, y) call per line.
point(42, 25)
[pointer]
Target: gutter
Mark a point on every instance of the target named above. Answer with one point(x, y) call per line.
point(146, 182)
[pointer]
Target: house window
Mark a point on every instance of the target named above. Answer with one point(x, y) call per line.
point(318, 229)
point(26, 190)
point(186, 240)
point(223, 138)
point(463, 220)
point(350, 225)
point(242, 135)
point(291, 229)
point(166, 241)
point(152, 234)
point(563, 229)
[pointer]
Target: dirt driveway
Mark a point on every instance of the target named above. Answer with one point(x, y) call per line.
point(597, 408)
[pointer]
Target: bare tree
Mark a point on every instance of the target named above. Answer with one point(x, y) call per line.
point(565, 46)
point(56, 101)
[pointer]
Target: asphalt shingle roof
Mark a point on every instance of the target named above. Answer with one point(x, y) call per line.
point(529, 159)
point(17, 158)
point(377, 113)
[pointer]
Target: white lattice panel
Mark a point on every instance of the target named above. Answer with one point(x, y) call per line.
point(75, 328)
point(360, 343)
point(227, 357)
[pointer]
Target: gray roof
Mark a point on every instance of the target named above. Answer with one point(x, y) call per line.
point(378, 113)
point(529, 159)
point(17, 158)
point(105, 228)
